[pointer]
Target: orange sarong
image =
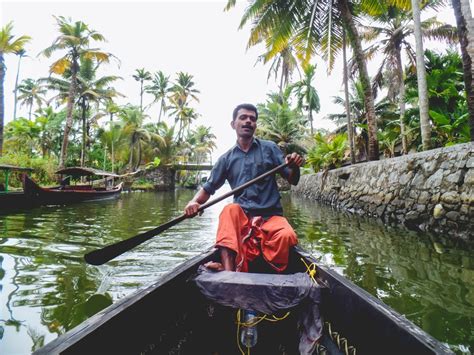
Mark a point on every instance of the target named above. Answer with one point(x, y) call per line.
point(250, 237)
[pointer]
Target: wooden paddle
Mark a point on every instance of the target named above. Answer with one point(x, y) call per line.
point(101, 256)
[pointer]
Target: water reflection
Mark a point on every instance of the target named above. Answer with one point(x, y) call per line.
point(429, 280)
point(46, 288)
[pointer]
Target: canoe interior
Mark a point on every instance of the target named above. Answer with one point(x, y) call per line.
point(172, 317)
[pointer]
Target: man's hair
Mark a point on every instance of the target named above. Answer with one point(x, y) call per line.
point(249, 107)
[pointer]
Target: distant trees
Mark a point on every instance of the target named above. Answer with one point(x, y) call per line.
point(8, 45)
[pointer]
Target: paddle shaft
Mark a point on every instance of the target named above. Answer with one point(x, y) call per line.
point(101, 256)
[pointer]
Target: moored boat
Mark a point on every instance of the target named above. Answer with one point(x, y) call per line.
point(11, 201)
point(172, 316)
point(67, 193)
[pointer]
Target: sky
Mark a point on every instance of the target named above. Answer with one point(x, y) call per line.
point(197, 37)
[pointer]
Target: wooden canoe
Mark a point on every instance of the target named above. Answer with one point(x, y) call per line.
point(66, 194)
point(12, 201)
point(172, 317)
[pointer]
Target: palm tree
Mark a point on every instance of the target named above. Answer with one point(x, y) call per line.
point(421, 74)
point(282, 124)
point(306, 93)
point(391, 30)
point(31, 91)
point(133, 118)
point(204, 142)
point(90, 90)
point(183, 89)
point(312, 26)
point(465, 24)
point(159, 89)
point(383, 109)
point(21, 53)
point(141, 76)
point(166, 148)
point(284, 61)
point(75, 39)
point(345, 79)
point(183, 92)
point(8, 44)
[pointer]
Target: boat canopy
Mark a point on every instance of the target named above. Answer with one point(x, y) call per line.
point(13, 167)
point(81, 171)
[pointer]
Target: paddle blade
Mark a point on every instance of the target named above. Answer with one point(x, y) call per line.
point(101, 256)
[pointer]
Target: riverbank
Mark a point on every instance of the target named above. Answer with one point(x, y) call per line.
point(431, 191)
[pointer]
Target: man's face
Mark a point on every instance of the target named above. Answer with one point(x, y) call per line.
point(245, 123)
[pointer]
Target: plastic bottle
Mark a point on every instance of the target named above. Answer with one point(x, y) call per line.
point(248, 336)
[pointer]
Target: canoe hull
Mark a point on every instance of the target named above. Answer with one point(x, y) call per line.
point(14, 201)
point(57, 196)
point(171, 316)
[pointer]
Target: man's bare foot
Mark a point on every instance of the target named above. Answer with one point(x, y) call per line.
point(214, 265)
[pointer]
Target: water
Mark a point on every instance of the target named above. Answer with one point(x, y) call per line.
point(46, 288)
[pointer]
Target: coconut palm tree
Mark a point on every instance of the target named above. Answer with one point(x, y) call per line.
point(166, 149)
point(31, 91)
point(425, 126)
point(160, 89)
point(390, 30)
point(74, 38)
point(8, 44)
point(312, 27)
point(21, 53)
point(90, 90)
point(465, 24)
point(282, 124)
point(204, 143)
point(136, 134)
point(306, 93)
point(345, 79)
point(142, 75)
point(182, 93)
point(284, 63)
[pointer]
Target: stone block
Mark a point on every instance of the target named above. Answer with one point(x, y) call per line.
point(451, 197)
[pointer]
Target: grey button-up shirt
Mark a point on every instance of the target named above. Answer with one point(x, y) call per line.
point(238, 167)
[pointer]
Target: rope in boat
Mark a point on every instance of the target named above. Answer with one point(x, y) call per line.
point(251, 324)
point(341, 342)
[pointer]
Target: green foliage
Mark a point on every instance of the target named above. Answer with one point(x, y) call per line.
point(43, 168)
point(281, 123)
point(154, 164)
point(328, 152)
point(447, 101)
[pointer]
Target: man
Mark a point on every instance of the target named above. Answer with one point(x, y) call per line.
point(254, 224)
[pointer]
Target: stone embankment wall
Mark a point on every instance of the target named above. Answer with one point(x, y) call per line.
point(162, 178)
point(431, 191)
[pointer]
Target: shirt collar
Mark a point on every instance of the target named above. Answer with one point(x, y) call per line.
point(255, 142)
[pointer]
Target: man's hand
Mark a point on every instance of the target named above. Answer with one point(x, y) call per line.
point(192, 209)
point(294, 160)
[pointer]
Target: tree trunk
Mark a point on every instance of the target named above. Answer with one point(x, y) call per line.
point(310, 116)
point(2, 107)
point(112, 141)
point(139, 156)
point(70, 106)
point(401, 100)
point(350, 130)
point(421, 76)
point(465, 24)
point(15, 102)
point(141, 95)
point(161, 110)
point(84, 134)
point(354, 37)
point(130, 160)
point(31, 109)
